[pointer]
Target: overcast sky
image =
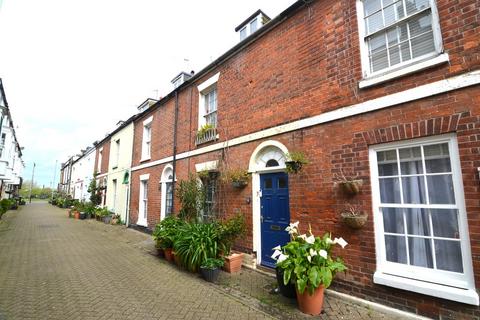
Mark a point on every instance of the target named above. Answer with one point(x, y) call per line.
point(73, 68)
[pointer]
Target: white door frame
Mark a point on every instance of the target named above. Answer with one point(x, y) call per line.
point(164, 179)
point(141, 209)
point(270, 149)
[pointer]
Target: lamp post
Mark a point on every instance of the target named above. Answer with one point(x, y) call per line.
point(31, 184)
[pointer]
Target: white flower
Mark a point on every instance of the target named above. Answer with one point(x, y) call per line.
point(310, 239)
point(313, 252)
point(276, 254)
point(292, 228)
point(329, 241)
point(277, 248)
point(309, 259)
point(295, 224)
point(282, 257)
point(340, 241)
point(303, 236)
point(323, 254)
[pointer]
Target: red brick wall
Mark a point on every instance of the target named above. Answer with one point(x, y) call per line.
point(308, 65)
point(105, 157)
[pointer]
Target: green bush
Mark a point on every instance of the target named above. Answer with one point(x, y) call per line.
point(212, 263)
point(165, 232)
point(229, 231)
point(192, 198)
point(102, 212)
point(195, 243)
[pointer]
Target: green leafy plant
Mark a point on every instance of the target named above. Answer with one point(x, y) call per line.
point(192, 198)
point(238, 177)
point(295, 161)
point(307, 260)
point(166, 231)
point(94, 190)
point(102, 212)
point(212, 263)
point(203, 130)
point(195, 243)
point(229, 230)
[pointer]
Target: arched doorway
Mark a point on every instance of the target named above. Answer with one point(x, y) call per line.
point(166, 181)
point(270, 205)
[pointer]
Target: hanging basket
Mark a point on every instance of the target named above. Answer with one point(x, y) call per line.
point(293, 166)
point(239, 184)
point(354, 221)
point(351, 187)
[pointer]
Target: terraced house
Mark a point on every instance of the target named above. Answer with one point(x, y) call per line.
point(385, 92)
point(11, 163)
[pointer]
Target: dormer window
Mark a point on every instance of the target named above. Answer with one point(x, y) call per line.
point(252, 24)
point(181, 78)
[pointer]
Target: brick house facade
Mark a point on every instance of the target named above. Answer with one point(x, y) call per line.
point(410, 132)
point(102, 155)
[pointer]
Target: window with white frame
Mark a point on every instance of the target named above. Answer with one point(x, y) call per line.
point(147, 138)
point(117, 153)
point(210, 99)
point(99, 163)
point(395, 33)
point(243, 33)
point(253, 25)
point(143, 201)
point(207, 113)
point(114, 182)
point(419, 211)
point(210, 188)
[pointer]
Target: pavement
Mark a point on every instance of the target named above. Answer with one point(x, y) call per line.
point(54, 267)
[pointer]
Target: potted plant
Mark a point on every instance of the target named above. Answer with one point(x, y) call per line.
point(229, 231)
point(308, 263)
point(195, 243)
point(239, 178)
point(165, 233)
point(203, 130)
point(353, 217)
point(349, 184)
point(210, 269)
point(295, 161)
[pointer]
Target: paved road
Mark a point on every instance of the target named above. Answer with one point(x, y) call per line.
point(53, 267)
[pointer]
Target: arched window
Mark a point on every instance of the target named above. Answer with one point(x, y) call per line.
point(167, 192)
point(272, 163)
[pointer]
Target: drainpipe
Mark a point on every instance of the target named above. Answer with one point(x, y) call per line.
point(174, 164)
point(129, 194)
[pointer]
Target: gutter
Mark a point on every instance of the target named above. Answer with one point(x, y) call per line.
point(174, 164)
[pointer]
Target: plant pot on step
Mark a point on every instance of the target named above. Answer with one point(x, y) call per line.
point(233, 263)
point(311, 304)
point(351, 187)
point(107, 219)
point(288, 290)
point(168, 254)
point(76, 215)
point(211, 275)
point(354, 221)
point(82, 215)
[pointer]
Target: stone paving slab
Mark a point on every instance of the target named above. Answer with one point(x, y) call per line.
point(53, 267)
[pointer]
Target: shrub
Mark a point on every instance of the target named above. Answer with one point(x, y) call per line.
point(195, 243)
point(165, 232)
point(192, 198)
point(212, 263)
point(230, 230)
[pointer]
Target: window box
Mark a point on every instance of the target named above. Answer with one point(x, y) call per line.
point(207, 135)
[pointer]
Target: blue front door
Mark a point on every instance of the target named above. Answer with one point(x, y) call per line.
point(274, 214)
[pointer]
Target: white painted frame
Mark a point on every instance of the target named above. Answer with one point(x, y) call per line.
point(204, 88)
point(100, 157)
point(142, 211)
point(454, 286)
point(163, 182)
point(410, 66)
point(256, 171)
point(147, 144)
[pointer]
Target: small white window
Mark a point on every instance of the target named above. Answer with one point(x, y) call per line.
point(396, 33)
point(243, 33)
point(146, 139)
point(211, 107)
point(208, 102)
point(419, 212)
point(253, 25)
point(99, 163)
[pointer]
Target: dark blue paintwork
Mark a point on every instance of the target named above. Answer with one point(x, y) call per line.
point(275, 213)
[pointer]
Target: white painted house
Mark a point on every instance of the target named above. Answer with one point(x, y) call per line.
point(82, 175)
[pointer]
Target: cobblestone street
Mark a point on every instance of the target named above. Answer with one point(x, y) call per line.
point(53, 267)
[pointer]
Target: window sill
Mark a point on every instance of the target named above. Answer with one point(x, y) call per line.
point(144, 159)
point(374, 80)
point(468, 296)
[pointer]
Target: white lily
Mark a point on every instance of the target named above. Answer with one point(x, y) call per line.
point(323, 254)
point(282, 257)
point(313, 252)
point(303, 236)
point(309, 259)
point(292, 228)
point(310, 239)
point(340, 241)
point(295, 224)
point(329, 241)
point(277, 248)
point(276, 254)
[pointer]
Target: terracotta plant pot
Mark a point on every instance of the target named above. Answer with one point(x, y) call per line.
point(354, 221)
point(76, 215)
point(351, 187)
point(177, 259)
point(168, 254)
point(233, 263)
point(311, 304)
